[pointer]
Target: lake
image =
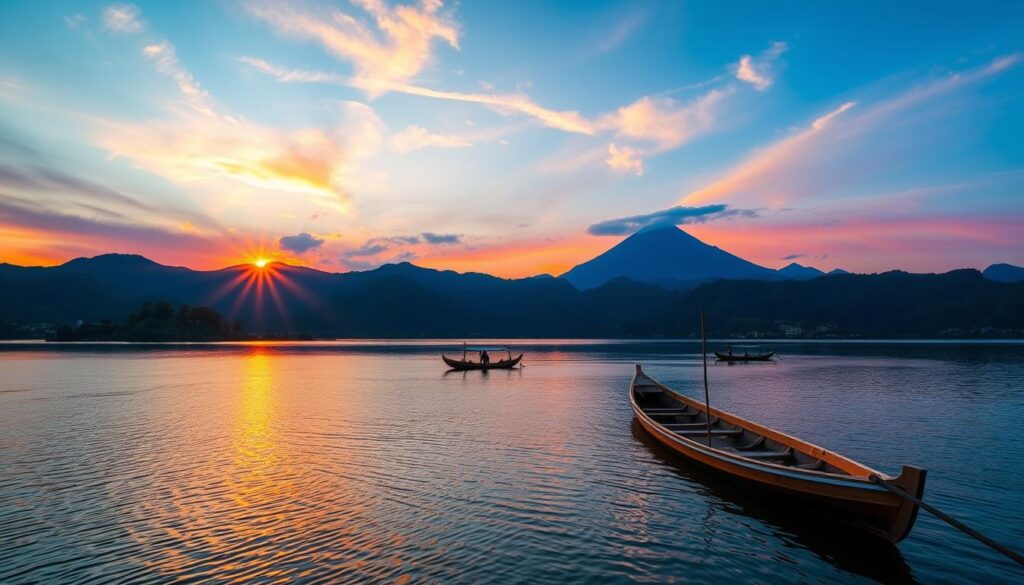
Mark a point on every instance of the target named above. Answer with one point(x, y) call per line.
point(366, 461)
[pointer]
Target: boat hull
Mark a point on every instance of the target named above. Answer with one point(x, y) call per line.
point(854, 499)
point(497, 365)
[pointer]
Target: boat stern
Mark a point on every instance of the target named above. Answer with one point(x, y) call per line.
point(911, 480)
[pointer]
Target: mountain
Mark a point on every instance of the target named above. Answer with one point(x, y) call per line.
point(960, 303)
point(396, 300)
point(799, 272)
point(838, 271)
point(1004, 273)
point(665, 256)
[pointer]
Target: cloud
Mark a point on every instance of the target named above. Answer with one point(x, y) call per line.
point(396, 47)
point(760, 71)
point(625, 159)
point(166, 62)
point(664, 121)
point(794, 256)
point(202, 143)
point(415, 138)
point(883, 135)
point(432, 238)
point(123, 18)
point(768, 166)
point(299, 243)
point(40, 179)
point(191, 147)
point(506, 104)
point(678, 215)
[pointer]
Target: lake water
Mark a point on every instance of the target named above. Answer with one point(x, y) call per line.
point(365, 461)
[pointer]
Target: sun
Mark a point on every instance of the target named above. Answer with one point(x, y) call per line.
point(261, 262)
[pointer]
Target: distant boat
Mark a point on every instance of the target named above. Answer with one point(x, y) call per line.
point(750, 354)
point(803, 473)
point(466, 364)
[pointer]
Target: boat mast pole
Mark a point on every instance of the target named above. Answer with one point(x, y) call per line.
point(704, 356)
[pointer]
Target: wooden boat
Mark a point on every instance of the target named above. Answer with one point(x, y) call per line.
point(802, 473)
point(746, 356)
point(506, 364)
point(466, 364)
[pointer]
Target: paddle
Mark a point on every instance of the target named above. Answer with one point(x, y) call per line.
point(949, 520)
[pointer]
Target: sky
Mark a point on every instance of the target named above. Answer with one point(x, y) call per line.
point(513, 138)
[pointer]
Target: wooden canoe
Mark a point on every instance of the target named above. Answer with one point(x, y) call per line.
point(745, 357)
point(805, 475)
point(506, 364)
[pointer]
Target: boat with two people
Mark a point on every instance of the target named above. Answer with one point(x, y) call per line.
point(484, 361)
point(745, 353)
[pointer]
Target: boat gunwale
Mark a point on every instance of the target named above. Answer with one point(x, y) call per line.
point(860, 479)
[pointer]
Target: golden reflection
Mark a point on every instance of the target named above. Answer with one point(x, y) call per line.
point(255, 448)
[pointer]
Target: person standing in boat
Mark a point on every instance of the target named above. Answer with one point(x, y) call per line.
point(484, 358)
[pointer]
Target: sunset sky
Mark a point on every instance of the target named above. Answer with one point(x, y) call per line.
point(513, 138)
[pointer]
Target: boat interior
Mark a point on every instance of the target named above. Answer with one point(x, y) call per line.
point(686, 418)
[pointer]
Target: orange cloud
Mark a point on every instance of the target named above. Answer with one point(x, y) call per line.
point(767, 166)
point(665, 121)
point(399, 48)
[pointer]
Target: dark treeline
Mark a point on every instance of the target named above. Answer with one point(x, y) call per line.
point(961, 303)
point(158, 321)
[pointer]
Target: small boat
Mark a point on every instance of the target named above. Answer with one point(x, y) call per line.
point(466, 364)
point(804, 474)
point(750, 354)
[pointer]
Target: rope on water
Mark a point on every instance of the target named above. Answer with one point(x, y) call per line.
point(949, 520)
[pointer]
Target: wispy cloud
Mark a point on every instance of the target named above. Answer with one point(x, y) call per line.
point(834, 148)
point(678, 215)
point(764, 164)
point(760, 71)
point(415, 138)
point(75, 21)
point(166, 61)
point(568, 121)
point(395, 47)
point(624, 27)
point(204, 143)
point(123, 18)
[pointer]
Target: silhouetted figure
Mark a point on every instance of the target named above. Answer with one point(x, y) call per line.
point(730, 351)
point(484, 358)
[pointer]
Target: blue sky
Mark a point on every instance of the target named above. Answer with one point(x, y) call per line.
point(336, 134)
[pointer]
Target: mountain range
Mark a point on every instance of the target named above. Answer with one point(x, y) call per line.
point(649, 284)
